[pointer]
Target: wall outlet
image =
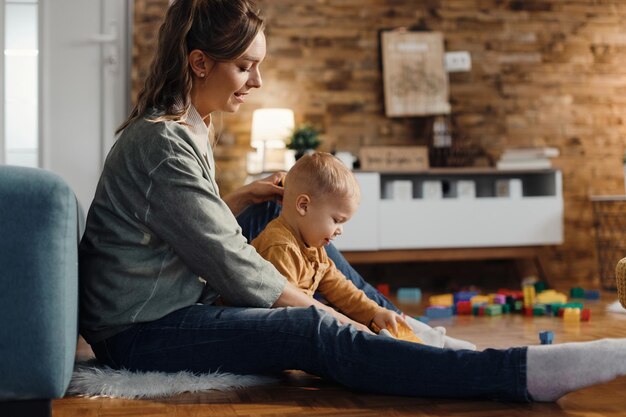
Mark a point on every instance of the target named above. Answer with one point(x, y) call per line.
point(458, 61)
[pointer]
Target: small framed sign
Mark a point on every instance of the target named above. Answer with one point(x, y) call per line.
point(394, 158)
point(414, 77)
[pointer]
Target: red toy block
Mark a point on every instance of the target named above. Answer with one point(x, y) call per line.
point(464, 308)
point(383, 289)
point(585, 314)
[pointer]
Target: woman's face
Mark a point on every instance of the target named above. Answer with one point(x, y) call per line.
point(227, 83)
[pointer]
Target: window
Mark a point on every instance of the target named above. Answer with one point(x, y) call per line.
point(21, 69)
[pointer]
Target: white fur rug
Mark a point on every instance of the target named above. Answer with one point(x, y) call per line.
point(92, 379)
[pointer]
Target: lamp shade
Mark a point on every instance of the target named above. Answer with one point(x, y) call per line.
point(271, 127)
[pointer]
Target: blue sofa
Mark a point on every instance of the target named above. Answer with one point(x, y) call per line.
point(39, 220)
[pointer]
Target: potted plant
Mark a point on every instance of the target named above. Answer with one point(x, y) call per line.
point(304, 138)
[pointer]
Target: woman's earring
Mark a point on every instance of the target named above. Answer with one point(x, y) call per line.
point(202, 75)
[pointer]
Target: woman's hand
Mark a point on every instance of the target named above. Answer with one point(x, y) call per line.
point(259, 191)
point(267, 188)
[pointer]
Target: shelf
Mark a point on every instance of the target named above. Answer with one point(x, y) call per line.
point(532, 217)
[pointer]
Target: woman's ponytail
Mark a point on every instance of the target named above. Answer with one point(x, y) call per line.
point(223, 29)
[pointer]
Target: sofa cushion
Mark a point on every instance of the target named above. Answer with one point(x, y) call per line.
point(38, 283)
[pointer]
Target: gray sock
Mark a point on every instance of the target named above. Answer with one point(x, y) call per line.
point(555, 370)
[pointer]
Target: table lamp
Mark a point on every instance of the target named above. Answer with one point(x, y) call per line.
point(270, 129)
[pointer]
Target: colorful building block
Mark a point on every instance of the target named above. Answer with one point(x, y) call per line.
point(571, 314)
point(464, 308)
point(540, 286)
point(546, 337)
point(573, 305)
point(577, 292)
point(552, 309)
point(516, 295)
point(529, 295)
point(592, 295)
point(499, 299)
point(539, 310)
point(439, 312)
point(464, 296)
point(585, 314)
point(446, 300)
point(409, 295)
point(479, 299)
point(550, 296)
point(493, 310)
point(383, 289)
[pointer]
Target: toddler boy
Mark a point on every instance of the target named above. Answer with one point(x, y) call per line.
point(321, 195)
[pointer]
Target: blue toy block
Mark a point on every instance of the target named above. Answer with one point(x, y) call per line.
point(409, 295)
point(546, 337)
point(439, 312)
point(464, 296)
point(592, 295)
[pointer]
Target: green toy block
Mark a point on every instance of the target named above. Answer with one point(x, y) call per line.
point(519, 305)
point(539, 310)
point(493, 310)
point(540, 286)
point(573, 305)
point(577, 292)
point(506, 308)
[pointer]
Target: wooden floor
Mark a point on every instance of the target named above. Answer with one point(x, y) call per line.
point(302, 395)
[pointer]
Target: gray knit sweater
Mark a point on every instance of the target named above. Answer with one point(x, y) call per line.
point(159, 237)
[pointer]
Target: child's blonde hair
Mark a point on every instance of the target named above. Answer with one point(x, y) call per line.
point(320, 173)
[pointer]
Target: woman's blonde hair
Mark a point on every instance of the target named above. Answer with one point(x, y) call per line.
point(223, 29)
point(320, 174)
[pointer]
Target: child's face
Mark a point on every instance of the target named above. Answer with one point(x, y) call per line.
point(324, 218)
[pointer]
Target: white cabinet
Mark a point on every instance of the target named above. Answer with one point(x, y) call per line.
point(362, 231)
point(453, 218)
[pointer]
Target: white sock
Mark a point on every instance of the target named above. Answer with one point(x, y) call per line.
point(457, 344)
point(431, 337)
point(436, 336)
point(555, 370)
point(386, 333)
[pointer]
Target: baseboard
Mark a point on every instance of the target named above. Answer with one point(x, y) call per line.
point(27, 408)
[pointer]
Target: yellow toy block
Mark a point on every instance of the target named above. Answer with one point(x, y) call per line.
point(571, 314)
point(446, 300)
point(550, 297)
point(479, 299)
point(529, 295)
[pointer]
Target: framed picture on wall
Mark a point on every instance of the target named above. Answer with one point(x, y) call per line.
point(414, 75)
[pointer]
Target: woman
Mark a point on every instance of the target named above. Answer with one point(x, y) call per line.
point(161, 248)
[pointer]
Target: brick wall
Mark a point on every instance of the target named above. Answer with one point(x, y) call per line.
point(545, 73)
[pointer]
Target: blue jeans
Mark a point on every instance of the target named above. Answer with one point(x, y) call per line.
point(206, 338)
point(254, 219)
